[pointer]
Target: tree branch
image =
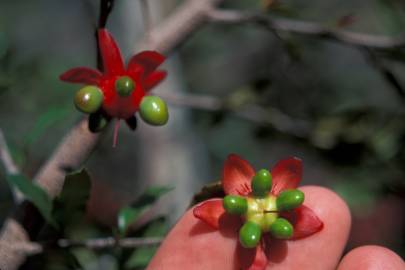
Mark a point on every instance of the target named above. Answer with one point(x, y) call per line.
point(365, 41)
point(79, 143)
point(9, 165)
point(33, 248)
point(250, 112)
point(108, 242)
point(308, 29)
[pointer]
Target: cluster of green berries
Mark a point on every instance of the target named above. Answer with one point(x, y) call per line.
point(152, 109)
point(261, 210)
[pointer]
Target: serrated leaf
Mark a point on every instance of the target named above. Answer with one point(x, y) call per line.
point(142, 256)
point(33, 193)
point(76, 189)
point(71, 203)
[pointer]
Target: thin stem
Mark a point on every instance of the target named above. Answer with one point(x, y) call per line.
point(33, 248)
point(251, 112)
point(106, 6)
point(307, 29)
point(108, 242)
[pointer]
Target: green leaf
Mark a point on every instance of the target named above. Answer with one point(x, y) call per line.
point(44, 122)
point(34, 194)
point(151, 195)
point(391, 15)
point(129, 215)
point(71, 203)
point(87, 258)
point(141, 256)
point(76, 189)
point(126, 217)
point(4, 44)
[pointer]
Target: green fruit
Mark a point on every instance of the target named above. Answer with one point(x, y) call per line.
point(89, 99)
point(235, 205)
point(250, 234)
point(281, 229)
point(261, 183)
point(124, 86)
point(290, 199)
point(153, 110)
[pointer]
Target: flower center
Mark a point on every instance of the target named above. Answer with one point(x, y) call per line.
point(262, 211)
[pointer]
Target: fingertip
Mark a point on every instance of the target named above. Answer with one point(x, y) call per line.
point(323, 249)
point(192, 244)
point(329, 206)
point(372, 258)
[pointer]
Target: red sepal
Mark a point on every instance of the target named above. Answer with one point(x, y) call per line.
point(286, 174)
point(304, 221)
point(153, 79)
point(210, 212)
point(149, 60)
point(112, 59)
point(252, 258)
point(237, 175)
point(82, 75)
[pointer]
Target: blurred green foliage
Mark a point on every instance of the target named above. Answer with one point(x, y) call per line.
point(34, 194)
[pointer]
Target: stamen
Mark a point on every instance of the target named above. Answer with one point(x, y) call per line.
point(246, 186)
point(270, 211)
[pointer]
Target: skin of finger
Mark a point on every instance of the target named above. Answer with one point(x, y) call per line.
point(372, 258)
point(193, 245)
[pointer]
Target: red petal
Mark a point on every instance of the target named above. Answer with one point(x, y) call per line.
point(252, 259)
point(237, 175)
point(210, 212)
point(304, 221)
point(153, 79)
point(112, 59)
point(149, 60)
point(81, 75)
point(286, 174)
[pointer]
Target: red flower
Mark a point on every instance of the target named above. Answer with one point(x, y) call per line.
point(122, 89)
point(237, 180)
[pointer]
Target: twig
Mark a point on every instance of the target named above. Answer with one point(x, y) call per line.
point(33, 248)
point(366, 41)
point(10, 166)
point(173, 31)
point(106, 6)
point(251, 112)
point(108, 242)
point(308, 29)
point(386, 73)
